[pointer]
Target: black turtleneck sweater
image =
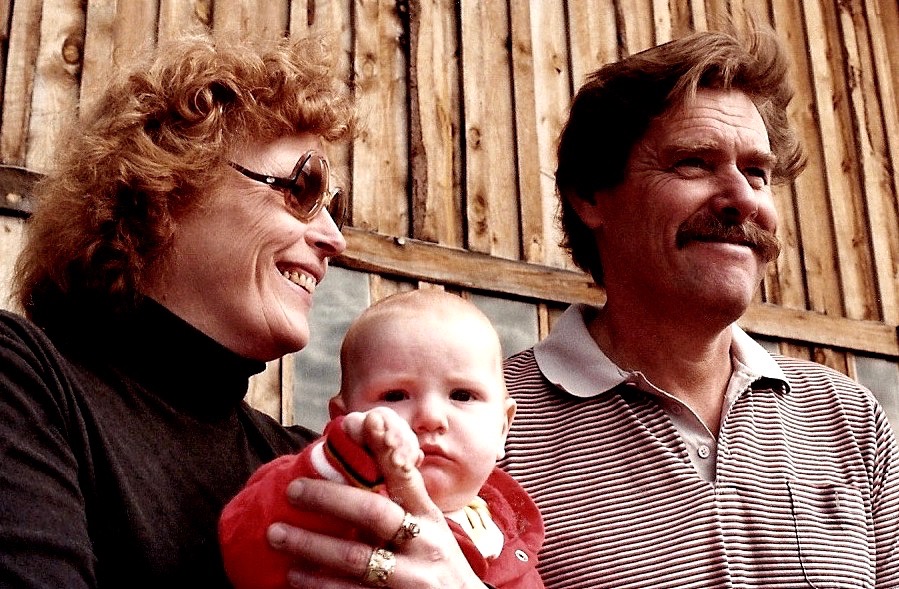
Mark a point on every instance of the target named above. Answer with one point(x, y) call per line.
point(119, 445)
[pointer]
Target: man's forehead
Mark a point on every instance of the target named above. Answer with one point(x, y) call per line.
point(711, 122)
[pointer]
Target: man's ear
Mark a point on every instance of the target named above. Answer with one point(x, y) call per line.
point(590, 211)
point(336, 406)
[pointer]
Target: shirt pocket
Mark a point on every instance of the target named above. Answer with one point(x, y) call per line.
point(831, 525)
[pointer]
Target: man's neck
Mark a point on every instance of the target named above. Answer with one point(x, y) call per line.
point(690, 362)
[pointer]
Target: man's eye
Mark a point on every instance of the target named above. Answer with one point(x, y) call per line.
point(691, 162)
point(394, 396)
point(461, 395)
point(758, 177)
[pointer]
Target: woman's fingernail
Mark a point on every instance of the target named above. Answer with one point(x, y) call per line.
point(294, 489)
point(277, 535)
point(295, 579)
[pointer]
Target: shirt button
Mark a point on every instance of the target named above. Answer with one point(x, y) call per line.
point(676, 409)
point(704, 451)
point(521, 555)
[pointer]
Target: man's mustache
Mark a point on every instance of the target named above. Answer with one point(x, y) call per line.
point(708, 227)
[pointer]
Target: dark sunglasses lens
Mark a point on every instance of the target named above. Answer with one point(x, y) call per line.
point(338, 207)
point(309, 186)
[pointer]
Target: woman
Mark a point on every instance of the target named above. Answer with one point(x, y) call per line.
point(174, 250)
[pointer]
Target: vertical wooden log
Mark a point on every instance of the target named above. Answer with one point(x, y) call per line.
point(593, 37)
point(435, 118)
point(177, 16)
point(55, 92)
point(849, 246)
point(491, 175)
point(547, 86)
point(380, 155)
point(24, 44)
point(881, 154)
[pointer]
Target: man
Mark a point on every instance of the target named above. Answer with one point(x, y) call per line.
point(663, 446)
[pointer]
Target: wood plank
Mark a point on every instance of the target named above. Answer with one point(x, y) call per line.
point(663, 28)
point(380, 154)
point(264, 20)
point(636, 30)
point(119, 33)
point(681, 16)
point(816, 328)
point(55, 93)
point(5, 20)
point(883, 197)
point(530, 192)
point(832, 358)
point(24, 44)
point(878, 237)
point(551, 97)
point(810, 189)
point(849, 247)
point(264, 391)
point(491, 205)
point(409, 258)
point(177, 16)
point(330, 19)
point(99, 53)
point(795, 350)
point(593, 37)
point(435, 116)
point(784, 281)
point(698, 15)
point(382, 286)
point(12, 233)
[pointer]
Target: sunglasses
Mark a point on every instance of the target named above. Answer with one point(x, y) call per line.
point(307, 190)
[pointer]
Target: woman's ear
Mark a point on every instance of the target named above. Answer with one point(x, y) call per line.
point(589, 211)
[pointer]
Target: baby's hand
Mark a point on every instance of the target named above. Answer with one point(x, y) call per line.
point(386, 435)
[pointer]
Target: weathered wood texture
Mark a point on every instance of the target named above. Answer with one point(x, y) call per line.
point(464, 100)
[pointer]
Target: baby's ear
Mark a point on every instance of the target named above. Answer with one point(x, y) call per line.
point(336, 406)
point(510, 407)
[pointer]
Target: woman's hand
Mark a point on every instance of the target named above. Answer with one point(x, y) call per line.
point(432, 559)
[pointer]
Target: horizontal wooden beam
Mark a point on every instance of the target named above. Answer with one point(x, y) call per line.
point(419, 260)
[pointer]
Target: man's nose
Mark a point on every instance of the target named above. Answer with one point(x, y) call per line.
point(736, 200)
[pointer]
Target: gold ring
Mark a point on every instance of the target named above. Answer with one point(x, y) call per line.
point(408, 529)
point(380, 567)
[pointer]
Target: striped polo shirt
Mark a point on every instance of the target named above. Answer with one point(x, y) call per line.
point(802, 491)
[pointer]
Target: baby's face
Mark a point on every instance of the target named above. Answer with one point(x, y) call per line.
point(445, 379)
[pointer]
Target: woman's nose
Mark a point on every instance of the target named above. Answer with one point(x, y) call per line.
point(324, 235)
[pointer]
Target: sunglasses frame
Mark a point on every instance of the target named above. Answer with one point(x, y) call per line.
point(287, 185)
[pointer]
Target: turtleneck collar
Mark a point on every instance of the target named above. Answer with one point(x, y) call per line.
point(164, 354)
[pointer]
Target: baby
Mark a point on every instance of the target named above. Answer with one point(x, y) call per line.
point(434, 359)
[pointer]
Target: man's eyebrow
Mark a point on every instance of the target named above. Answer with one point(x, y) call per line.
point(756, 157)
point(765, 159)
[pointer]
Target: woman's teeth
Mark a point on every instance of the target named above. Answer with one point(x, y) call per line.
point(302, 280)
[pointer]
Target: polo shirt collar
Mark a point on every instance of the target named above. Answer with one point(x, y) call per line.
point(570, 359)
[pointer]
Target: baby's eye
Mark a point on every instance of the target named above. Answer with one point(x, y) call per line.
point(461, 395)
point(394, 396)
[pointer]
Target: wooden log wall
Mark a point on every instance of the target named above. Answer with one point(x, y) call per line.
point(452, 181)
